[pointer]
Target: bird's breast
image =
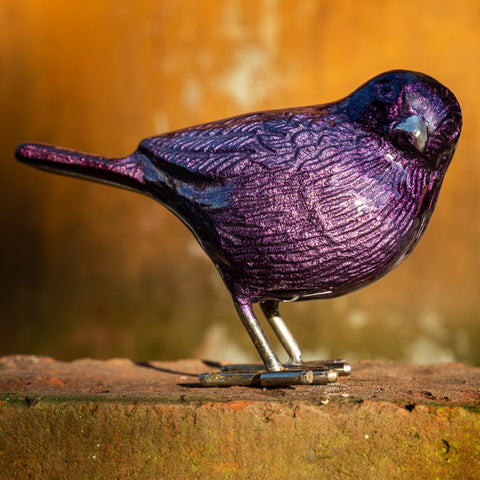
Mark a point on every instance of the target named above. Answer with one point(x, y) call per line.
point(311, 233)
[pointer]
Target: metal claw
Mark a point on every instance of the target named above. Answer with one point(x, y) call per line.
point(229, 379)
point(268, 379)
point(339, 365)
point(280, 379)
point(308, 373)
point(324, 377)
point(243, 367)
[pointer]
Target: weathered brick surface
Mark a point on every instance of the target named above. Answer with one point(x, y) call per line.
point(118, 419)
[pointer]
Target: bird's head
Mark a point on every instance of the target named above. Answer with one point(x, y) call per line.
point(415, 113)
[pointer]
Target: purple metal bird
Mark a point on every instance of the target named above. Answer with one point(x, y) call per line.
point(295, 204)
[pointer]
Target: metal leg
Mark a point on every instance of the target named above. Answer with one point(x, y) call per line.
point(272, 373)
point(270, 309)
point(255, 330)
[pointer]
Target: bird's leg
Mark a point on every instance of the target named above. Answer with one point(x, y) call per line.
point(276, 374)
point(259, 339)
point(270, 310)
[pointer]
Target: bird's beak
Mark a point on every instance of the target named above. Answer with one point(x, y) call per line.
point(416, 129)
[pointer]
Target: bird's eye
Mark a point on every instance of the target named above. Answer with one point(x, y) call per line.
point(404, 141)
point(385, 91)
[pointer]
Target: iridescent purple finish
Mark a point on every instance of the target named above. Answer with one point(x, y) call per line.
point(302, 203)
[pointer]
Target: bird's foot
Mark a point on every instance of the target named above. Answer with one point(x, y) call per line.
point(306, 373)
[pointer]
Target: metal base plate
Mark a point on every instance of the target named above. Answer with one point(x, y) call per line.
point(308, 373)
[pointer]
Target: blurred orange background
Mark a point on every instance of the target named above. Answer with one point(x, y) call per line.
point(89, 270)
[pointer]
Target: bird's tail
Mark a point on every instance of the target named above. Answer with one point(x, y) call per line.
point(130, 172)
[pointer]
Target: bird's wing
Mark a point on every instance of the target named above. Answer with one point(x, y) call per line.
point(238, 146)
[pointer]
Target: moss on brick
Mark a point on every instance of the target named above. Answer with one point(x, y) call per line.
point(120, 439)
